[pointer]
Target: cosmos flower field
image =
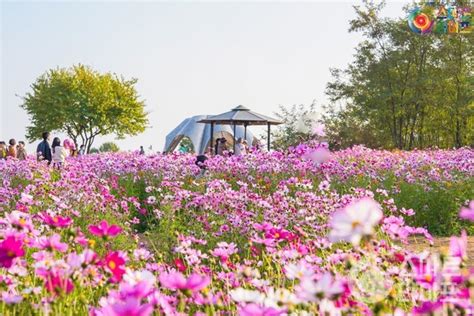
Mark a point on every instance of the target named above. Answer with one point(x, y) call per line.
point(264, 234)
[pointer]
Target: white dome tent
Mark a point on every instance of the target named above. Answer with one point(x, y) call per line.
point(200, 134)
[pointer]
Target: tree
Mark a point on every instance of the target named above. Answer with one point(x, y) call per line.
point(403, 90)
point(84, 103)
point(109, 147)
point(296, 127)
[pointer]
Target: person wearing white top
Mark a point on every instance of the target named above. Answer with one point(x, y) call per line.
point(59, 153)
point(240, 148)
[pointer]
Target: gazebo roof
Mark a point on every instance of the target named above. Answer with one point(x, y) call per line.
point(241, 115)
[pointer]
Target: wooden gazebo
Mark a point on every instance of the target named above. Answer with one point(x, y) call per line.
point(241, 115)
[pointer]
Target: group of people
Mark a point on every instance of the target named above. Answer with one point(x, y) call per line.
point(241, 147)
point(56, 153)
point(13, 150)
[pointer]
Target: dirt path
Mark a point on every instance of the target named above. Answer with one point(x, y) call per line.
point(419, 244)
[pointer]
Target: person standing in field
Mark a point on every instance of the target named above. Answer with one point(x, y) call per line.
point(12, 148)
point(43, 151)
point(21, 151)
point(59, 153)
point(221, 146)
point(82, 150)
point(240, 148)
point(246, 146)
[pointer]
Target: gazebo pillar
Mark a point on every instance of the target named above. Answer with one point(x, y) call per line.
point(245, 131)
point(268, 136)
point(234, 138)
point(212, 139)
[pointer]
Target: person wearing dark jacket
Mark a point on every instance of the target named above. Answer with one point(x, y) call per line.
point(43, 151)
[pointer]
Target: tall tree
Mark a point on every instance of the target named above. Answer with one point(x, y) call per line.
point(405, 89)
point(84, 104)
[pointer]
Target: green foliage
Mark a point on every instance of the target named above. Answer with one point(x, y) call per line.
point(402, 90)
point(93, 150)
point(84, 103)
point(436, 205)
point(291, 133)
point(109, 147)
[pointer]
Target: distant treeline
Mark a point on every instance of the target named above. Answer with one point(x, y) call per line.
point(403, 90)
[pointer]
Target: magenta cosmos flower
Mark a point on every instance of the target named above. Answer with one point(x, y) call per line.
point(115, 263)
point(428, 308)
point(177, 281)
point(10, 249)
point(56, 221)
point(104, 230)
point(58, 284)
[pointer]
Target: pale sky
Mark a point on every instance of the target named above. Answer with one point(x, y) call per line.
point(189, 57)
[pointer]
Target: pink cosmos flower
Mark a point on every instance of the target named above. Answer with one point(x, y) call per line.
point(324, 185)
point(257, 310)
point(468, 212)
point(115, 263)
point(104, 230)
point(458, 246)
point(326, 287)
point(318, 155)
point(129, 306)
point(177, 281)
point(56, 221)
point(355, 221)
point(224, 250)
point(318, 129)
point(18, 220)
point(52, 243)
point(55, 281)
point(10, 248)
point(11, 297)
point(138, 284)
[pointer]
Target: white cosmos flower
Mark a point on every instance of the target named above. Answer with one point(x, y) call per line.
point(134, 277)
point(298, 271)
point(151, 199)
point(327, 307)
point(326, 287)
point(277, 297)
point(241, 295)
point(355, 221)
